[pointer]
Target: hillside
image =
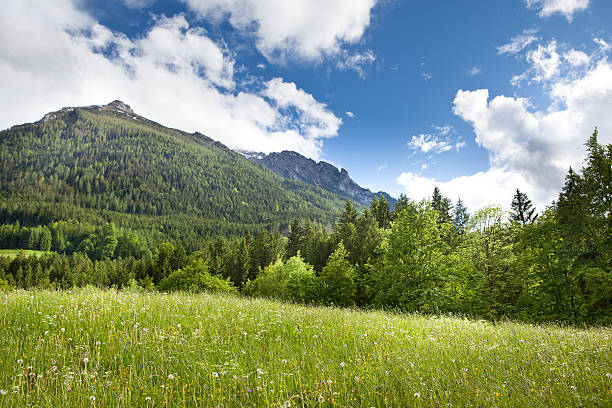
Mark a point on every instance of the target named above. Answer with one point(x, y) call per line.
point(106, 163)
point(94, 348)
point(294, 166)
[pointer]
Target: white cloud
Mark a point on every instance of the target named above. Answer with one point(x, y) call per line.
point(356, 62)
point(293, 28)
point(315, 120)
point(53, 55)
point(426, 76)
point(529, 147)
point(383, 166)
point(576, 58)
point(492, 187)
point(566, 7)
point(444, 130)
point(545, 61)
point(603, 45)
point(136, 4)
point(519, 42)
point(350, 114)
point(435, 143)
point(429, 143)
point(475, 70)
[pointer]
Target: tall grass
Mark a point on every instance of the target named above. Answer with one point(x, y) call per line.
point(111, 349)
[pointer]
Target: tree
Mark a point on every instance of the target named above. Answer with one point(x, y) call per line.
point(523, 212)
point(338, 278)
point(442, 205)
point(460, 217)
point(411, 273)
point(295, 238)
point(382, 213)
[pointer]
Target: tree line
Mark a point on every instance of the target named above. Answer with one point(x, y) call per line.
point(432, 256)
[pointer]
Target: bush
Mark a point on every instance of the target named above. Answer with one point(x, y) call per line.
point(196, 277)
point(294, 281)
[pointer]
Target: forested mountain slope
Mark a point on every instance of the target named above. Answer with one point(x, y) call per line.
point(106, 163)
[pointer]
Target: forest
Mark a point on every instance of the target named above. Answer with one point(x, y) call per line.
point(431, 257)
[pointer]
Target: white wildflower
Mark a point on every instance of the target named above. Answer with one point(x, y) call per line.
point(170, 376)
point(215, 375)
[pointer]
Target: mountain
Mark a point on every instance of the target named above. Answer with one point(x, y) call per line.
point(106, 163)
point(294, 166)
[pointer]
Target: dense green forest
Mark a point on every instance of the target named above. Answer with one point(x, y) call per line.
point(121, 201)
point(100, 164)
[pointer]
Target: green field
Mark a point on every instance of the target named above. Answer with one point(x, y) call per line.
point(12, 253)
point(105, 348)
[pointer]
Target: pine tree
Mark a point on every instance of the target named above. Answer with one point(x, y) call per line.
point(523, 212)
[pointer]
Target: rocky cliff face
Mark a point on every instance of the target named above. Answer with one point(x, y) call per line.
point(294, 166)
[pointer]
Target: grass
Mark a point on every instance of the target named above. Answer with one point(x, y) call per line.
point(105, 348)
point(12, 253)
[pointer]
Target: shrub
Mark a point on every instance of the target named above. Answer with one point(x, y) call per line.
point(196, 277)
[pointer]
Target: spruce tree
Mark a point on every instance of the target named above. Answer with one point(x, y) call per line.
point(523, 212)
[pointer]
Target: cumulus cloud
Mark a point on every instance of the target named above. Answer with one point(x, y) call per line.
point(350, 114)
point(531, 150)
point(476, 191)
point(530, 147)
point(293, 28)
point(519, 42)
point(568, 8)
point(53, 55)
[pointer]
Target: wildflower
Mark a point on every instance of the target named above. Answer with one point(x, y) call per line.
point(3, 392)
point(609, 376)
point(97, 344)
point(62, 330)
point(92, 398)
point(86, 360)
point(215, 375)
point(170, 377)
point(284, 361)
point(259, 388)
point(147, 399)
point(20, 361)
point(321, 399)
point(342, 364)
point(417, 395)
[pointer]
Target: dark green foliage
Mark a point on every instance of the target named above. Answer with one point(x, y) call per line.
point(442, 205)
point(523, 211)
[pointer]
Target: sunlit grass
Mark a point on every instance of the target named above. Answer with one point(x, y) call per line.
point(106, 348)
point(12, 253)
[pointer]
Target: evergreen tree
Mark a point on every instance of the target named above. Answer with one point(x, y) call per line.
point(523, 212)
point(460, 217)
point(296, 235)
point(442, 205)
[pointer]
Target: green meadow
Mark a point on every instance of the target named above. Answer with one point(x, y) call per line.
point(104, 348)
point(12, 253)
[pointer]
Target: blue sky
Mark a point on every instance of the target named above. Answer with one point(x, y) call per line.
point(477, 97)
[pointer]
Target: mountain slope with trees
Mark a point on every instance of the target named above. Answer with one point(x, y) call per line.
point(106, 163)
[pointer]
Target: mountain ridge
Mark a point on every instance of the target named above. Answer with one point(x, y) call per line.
point(294, 166)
